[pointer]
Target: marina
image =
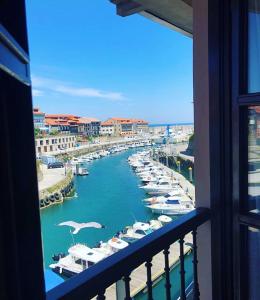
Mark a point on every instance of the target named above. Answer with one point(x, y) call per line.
point(111, 195)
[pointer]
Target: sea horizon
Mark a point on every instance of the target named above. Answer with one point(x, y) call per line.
point(170, 124)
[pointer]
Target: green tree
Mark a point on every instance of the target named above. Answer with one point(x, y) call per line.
point(37, 132)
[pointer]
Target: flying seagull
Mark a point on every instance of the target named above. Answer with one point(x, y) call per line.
point(78, 226)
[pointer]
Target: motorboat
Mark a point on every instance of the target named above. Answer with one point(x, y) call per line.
point(162, 187)
point(76, 160)
point(155, 224)
point(80, 258)
point(171, 207)
point(81, 171)
point(173, 194)
point(135, 232)
point(111, 246)
point(165, 219)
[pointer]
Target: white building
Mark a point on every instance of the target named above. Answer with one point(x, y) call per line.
point(50, 144)
point(107, 128)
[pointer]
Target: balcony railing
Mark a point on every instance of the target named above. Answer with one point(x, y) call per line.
point(95, 280)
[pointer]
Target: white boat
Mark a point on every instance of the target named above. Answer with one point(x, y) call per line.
point(76, 160)
point(111, 246)
point(160, 188)
point(173, 194)
point(155, 224)
point(103, 153)
point(82, 171)
point(135, 232)
point(171, 207)
point(80, 258)
point(164, 219)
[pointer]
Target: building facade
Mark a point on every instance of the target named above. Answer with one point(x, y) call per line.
point(55, 143)
point(38, 118)
point(89, 126)
point(62, 122)
point(107, 129)
point(125, 126)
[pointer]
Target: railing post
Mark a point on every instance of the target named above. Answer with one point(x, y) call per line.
point(149, 282)
point(167, 274)
point(120, 290)
point(182, 270)
point(196, 292)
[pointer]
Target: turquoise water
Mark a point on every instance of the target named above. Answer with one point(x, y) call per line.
point(109, 195)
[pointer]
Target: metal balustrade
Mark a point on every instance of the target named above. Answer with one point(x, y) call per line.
point(94, 281)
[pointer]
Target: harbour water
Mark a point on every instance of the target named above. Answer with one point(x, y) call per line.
point(110, 196)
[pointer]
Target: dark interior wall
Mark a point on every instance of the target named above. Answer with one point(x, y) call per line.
point(21, 271)
point(12, 16)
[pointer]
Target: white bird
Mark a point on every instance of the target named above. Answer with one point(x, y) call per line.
point(78, 226)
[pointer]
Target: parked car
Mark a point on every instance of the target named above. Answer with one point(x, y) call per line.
point(56, 164)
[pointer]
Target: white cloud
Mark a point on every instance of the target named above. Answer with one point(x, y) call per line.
point(69, 89)
point(37, 93)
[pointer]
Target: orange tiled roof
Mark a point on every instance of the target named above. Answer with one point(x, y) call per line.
point(84, 120)
point(56, 122)
point(61, 116)
point(125, 121)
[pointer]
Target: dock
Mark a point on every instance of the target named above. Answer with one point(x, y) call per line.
point(139, 277)
point(185, 184)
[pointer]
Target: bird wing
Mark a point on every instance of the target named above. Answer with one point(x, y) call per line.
point(70, 223)
point(91, 224)
point(78, 226)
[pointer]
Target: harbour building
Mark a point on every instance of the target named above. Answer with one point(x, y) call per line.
point(225, 224)
point(89, 126)
point(50, 144)
point(73, 124)
point(38, 118)
point(124, 127)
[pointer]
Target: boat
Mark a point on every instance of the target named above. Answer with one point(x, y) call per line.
point(155, 224)
point(173, 194)
point(135, 232)
point(80, 258)
point(164, 219)
point(171, 207)
point(162, 187)
point(111, 246)
point(82, 171)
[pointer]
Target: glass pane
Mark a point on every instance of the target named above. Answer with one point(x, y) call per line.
point(254, 46)
point(254, 158)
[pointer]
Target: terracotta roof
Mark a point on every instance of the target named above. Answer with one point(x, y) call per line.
point(56, 122)
point(84, 120)
point(126, 121)
point(61, 116)
point(106, 123)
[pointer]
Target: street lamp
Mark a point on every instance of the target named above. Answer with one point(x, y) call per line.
point(190, 173)
point(179, 166)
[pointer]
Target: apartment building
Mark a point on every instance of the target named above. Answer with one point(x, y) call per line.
point(50, 143)
point(107, 128)
point(89, 126)
point(124, 126)
point(38, 118)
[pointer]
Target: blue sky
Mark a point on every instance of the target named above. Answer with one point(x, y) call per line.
point(88, 61)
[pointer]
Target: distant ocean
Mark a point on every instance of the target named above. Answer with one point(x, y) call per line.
point(170, 124)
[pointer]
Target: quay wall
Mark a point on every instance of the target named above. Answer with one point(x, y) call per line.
point(86, 149)
point(57, 193)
